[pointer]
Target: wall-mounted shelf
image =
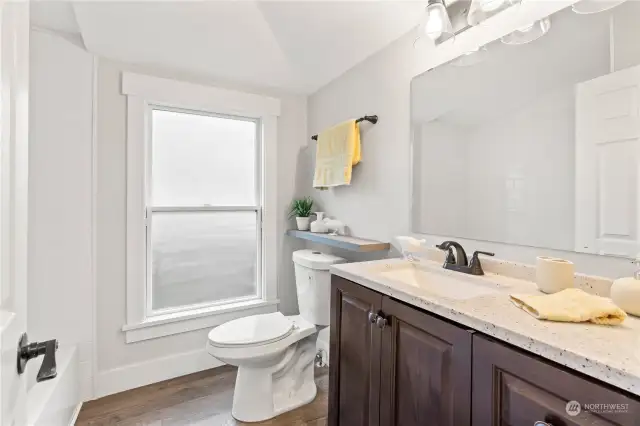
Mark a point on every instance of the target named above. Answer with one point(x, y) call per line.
point(341, 241)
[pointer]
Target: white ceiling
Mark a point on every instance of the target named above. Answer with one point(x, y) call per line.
point(54, 15)
point(298, 46)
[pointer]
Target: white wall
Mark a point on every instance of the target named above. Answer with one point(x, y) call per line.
point(625, 34)
point(60, 275)
point(442, 176)
point(122, 365)
point(521, 175)
point(378, 203)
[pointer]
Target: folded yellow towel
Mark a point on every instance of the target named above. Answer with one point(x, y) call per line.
point(570, 305)
point(337, 152)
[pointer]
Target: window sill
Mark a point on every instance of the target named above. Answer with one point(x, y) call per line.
point(196, 319)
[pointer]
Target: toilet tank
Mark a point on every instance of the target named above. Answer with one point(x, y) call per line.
point(313, 284)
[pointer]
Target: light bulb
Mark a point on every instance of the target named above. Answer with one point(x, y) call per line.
point(526, 28)
point(435, 23)
point(437, 20)
point(529, 33)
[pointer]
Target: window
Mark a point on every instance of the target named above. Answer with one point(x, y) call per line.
point(201, 206)
point(203, 210)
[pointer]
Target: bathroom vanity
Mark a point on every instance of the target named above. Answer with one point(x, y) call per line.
point(404, 355)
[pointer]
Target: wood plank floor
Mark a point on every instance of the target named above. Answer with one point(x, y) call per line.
point(200, 399)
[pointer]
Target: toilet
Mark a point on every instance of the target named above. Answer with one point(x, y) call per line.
point(274, 353)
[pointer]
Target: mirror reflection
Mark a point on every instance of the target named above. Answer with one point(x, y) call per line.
point(535, 140)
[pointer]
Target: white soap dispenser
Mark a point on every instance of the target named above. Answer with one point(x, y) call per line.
point(625, 292)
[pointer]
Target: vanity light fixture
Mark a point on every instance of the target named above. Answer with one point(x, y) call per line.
point(587, 7)
point(470, 58)
point(481, 10)
point(436, 22)
point(491, 5)
point(528, 34)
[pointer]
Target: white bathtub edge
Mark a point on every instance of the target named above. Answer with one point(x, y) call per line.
point(53, 402)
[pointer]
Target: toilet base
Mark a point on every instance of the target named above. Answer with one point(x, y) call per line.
point(263, 392)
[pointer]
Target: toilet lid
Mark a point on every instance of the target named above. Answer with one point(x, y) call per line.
point(252, 330)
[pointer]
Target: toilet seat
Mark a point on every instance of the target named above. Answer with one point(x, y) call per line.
point(250, 331)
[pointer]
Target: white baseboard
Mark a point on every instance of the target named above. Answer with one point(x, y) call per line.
point(75, 414)
point(156, 370)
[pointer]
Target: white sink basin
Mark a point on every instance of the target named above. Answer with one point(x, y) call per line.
point(440, 282)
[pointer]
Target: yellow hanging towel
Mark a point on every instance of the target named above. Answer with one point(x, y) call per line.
point(337, 152)
point(570, 305)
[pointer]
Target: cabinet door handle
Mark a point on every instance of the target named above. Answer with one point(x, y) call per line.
point(372, 317)
point(552, 420)
point(381, 322)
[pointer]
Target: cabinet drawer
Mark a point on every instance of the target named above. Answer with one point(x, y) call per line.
point(511, 388)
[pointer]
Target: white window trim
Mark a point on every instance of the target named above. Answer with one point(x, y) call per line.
point(143, 92)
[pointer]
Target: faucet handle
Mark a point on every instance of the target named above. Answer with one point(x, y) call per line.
point(474, 265)
point(486, 253)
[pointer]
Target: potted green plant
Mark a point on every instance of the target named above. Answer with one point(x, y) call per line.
point(301, 210)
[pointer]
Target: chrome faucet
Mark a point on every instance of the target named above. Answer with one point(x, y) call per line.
point(458, 261)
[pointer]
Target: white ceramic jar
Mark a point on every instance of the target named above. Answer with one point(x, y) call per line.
point(553, 274)
point(625, 292)
point(318, 226)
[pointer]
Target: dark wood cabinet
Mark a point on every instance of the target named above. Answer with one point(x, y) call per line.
point(425, 369)
point(512, 388)
point(396, 365)
point(354, 377)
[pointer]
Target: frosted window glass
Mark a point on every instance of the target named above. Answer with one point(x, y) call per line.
point(200, 160)
point(201, 257)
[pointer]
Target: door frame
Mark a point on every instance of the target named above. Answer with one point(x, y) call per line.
point(14, 203)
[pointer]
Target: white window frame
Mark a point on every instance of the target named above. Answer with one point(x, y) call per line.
point(150, 209)
point(144, 94)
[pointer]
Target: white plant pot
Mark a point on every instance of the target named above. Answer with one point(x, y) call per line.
point(303, 223)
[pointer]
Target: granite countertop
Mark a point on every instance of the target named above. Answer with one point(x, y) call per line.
point(608, 353)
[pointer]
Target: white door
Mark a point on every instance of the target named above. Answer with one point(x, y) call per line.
point(14, 115)
point(607, 161)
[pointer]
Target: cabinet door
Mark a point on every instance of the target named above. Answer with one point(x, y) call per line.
point(511, 388)
point(354, 370)
point(425, 369)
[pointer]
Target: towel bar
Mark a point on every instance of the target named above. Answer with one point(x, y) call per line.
point(370, 118)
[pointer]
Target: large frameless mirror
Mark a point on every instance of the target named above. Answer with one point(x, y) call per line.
point(535, 138)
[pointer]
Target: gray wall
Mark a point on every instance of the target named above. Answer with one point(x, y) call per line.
point(113, 352)
point(378, 202)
